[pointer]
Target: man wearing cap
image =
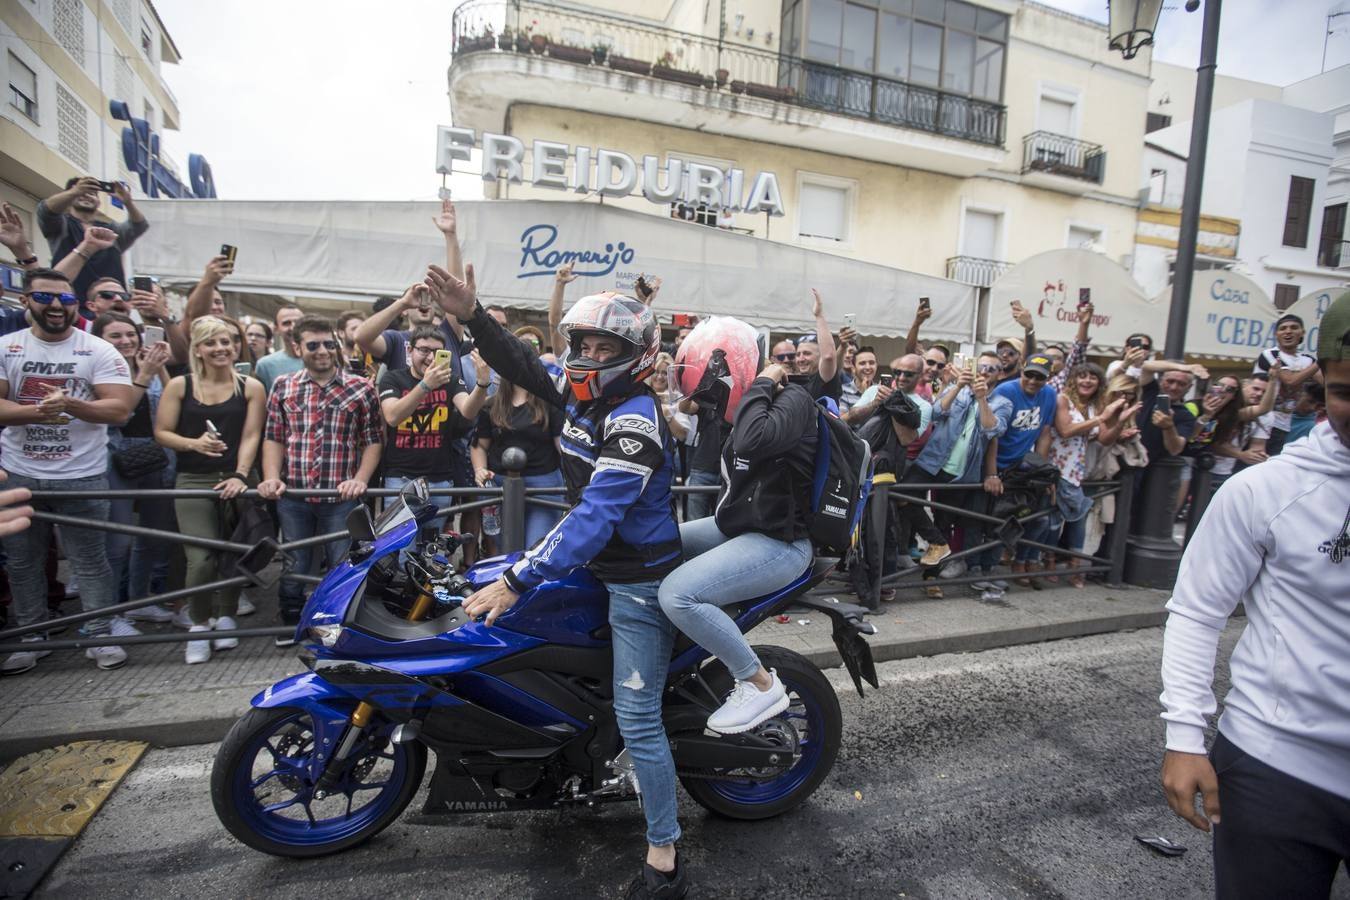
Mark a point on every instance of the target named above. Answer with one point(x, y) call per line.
point(1298, 369)
point(1275, 786)
point(1033, 412)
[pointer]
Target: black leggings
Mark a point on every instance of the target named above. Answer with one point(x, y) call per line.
point(1278, 836)
point(914, 516)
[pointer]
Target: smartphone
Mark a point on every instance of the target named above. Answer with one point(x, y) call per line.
point(244, 368)
point(924, 304)
point(229, 251)
point(849, 319)
point(211, 430)
point(442, 358)
point(970, 364)
point(107, 187)
point(803, 380)
point(1084, 297)
point(143, 283)
point(887, 380)
point(1163, 404)
point(642, 289)
point(152, 334)
point(959, 361)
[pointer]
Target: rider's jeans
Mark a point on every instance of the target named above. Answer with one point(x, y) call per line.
point(719, 571)
point(643, 638)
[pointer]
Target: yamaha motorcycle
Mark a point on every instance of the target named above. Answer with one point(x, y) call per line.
point(520, 715)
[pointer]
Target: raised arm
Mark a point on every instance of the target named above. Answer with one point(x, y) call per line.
point(199, 301)
point(922, 314)
point(448, 225)
point(61, 201)
point(370, 334)
point(561, 279)
point(96, 238)
point(1022, 316)
point(829, 360)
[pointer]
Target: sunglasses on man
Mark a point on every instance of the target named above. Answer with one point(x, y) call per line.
point(906, 373)
point(312, 346)
point(935, 364)
point(113, 295)
point(49, 297)
point(785, 357)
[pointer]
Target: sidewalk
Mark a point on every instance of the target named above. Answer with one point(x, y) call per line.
point(155, 697)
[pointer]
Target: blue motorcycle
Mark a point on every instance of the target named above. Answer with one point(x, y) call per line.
point(520, 715)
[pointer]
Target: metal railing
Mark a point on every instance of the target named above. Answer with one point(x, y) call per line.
point(1057, 154)
point(589, 38)
point(976, 271)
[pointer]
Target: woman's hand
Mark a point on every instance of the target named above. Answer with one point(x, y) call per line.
point(484, 477)
point(151, 359)
point(231, 487)
point(208, 444)
point(481, 369)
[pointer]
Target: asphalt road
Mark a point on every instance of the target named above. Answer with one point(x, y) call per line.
point(1023, 772)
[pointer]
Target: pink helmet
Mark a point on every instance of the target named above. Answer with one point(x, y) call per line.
point(743, 355)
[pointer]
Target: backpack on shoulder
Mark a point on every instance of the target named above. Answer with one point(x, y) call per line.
point(840, 484)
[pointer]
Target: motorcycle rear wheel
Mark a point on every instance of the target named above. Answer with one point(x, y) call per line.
point(263, 785)
point(813, 722)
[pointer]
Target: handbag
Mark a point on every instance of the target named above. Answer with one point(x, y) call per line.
point(139, 459)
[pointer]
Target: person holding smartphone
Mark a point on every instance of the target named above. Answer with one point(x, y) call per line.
point(212, 418)
point(64, 216)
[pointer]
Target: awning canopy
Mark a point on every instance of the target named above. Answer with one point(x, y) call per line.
point(355, 251)
point(1049, 285)
point(1310, 308)
point(1229, 316)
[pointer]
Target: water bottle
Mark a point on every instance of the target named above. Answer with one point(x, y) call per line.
point(492, 522)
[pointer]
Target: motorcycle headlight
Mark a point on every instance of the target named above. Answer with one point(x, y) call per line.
point(326, 634)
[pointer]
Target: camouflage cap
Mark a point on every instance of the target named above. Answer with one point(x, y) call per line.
point(1333, 342)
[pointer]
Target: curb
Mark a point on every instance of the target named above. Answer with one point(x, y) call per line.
point(211, 713)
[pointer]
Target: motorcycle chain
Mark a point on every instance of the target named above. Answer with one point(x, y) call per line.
point(710, 776)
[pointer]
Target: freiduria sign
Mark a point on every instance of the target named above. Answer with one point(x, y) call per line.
point(611, 173)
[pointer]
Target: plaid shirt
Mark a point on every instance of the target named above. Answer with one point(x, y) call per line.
point(324, 427)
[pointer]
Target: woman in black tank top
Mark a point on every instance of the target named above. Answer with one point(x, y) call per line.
point(213, 420)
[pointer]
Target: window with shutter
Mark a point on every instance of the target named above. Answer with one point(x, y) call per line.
point(1286, 295)
point(823, 212)
point(1298, 214)
point(22, 88)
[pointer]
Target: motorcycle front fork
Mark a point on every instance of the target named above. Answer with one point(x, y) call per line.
point(361, 715)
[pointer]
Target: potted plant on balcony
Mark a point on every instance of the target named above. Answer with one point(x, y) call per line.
point(599, 52)
point(764, 91)
point(570, 53)
point(722, 76)
point(628, 64)
point(486, 40)
point(665, 68)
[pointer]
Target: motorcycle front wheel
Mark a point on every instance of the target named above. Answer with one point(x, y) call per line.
point(263, 785)
point(811, 729)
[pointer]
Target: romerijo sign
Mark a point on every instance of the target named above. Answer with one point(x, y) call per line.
point(611, 173)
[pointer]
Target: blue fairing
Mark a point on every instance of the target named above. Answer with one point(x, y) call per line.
point(567, 611)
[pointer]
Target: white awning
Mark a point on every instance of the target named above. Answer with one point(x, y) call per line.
point(1048, 284)
point(1229, 316)
point(356, 251)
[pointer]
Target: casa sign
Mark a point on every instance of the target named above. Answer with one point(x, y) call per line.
point(611, 173)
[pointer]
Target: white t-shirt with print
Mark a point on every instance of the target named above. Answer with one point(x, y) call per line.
point(1288, 396)
point(33, 368)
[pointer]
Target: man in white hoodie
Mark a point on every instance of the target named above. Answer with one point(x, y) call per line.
point(1276, 785)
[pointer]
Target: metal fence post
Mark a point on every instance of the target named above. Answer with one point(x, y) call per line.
point(876, 539)
point(1120, 531)
point(512, 536)
point(1202, 490)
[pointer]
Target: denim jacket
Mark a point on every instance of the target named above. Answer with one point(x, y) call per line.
point(947, 430)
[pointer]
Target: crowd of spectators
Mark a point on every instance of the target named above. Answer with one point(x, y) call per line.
point(101, 387)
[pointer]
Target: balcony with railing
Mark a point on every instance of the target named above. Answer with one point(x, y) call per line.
point(975, 271)
point(1333, 254)
point(490, 36)
point(1061, 162)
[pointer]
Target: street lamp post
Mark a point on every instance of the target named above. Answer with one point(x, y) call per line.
point(1152, 556)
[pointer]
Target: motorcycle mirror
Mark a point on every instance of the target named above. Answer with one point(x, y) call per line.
point(359, 524)
point(415, 493)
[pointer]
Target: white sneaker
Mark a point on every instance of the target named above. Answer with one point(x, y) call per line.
point(198, 651)
point(953, 569)
point(22, 660)
point(225, 623)
point(182, 619)
point(122, 627)
point(246, 607)
point(747, 706)
point(107, 657)
point(152, 613)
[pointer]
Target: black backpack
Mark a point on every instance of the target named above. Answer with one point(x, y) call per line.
point(840, 484)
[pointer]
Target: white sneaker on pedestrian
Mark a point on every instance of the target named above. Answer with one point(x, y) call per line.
point(246, 607)
point(954, 569)
point(992, 595)
point(225, 623)
point(122, 627)
point(152, 613)
point(747, 706)
point(182, 619)
point(198, 651)
point(22, 660)
point(112, 657)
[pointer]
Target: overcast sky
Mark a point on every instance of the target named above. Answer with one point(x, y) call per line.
point(334, 99)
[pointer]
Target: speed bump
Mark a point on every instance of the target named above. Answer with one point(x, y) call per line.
point(47, 798)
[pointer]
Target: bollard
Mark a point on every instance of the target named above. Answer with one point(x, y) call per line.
point(876, 538)
point(1120, 530)
point(1202, 489)
point(512, 536)
point(1152, 556)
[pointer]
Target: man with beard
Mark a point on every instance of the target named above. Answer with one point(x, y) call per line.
point(60, 389)
point(64, 217)
point(106, 294)
point(323, 432)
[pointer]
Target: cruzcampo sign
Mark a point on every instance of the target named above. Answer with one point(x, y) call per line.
point(611, 173)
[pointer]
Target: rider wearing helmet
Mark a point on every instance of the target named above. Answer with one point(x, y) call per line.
point(618, 465)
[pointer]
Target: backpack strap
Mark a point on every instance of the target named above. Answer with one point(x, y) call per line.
point(822, 469)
